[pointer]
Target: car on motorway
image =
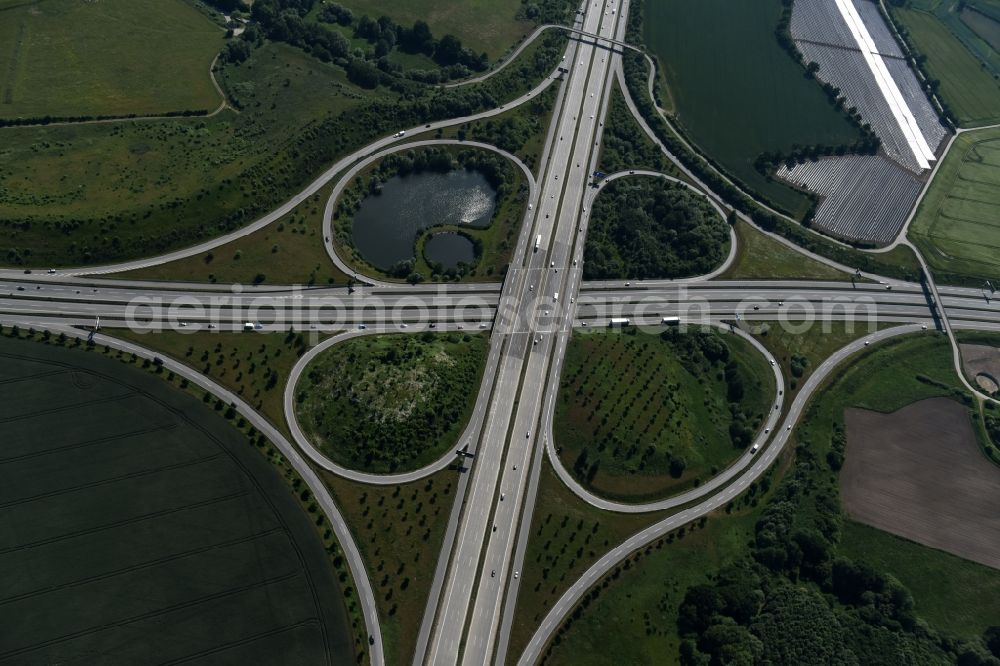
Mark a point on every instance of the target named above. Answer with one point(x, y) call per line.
point(52, 271)
point(753, 449)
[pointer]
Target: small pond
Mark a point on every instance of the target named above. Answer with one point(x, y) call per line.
point(387, 225)
point(449, 249)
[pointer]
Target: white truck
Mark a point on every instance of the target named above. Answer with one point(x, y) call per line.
point(618, 322)
point(538, 242)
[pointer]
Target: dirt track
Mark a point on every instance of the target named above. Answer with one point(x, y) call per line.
point(918, 473)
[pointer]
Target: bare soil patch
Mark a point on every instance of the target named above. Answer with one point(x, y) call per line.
point(918, 473)
point(982, 361)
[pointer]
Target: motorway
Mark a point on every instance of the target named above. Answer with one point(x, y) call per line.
point(530, 317)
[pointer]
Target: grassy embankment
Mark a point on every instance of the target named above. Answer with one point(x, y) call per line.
point(643, 416)
point(67, 59)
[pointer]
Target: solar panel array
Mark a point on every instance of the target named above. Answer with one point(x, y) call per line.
point(864, 197)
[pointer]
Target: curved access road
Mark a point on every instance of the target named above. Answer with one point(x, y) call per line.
point(366, 596)
point(470, 435)
point(554, 619)
point(711, 486)
point(285, 208)
point(347, 178)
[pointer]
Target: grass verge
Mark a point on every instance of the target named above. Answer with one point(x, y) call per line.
point(643, 416)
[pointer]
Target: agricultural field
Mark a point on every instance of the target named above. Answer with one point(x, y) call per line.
point(485, 26)
point(390, 403)
point(86, 194)
point(968, 87)
point(642, 416)
point(399, 531)
point(736, 92)
point(956, 225)
point(65, 58)
point(891, 478)
point(184, 540)
point(652, 611)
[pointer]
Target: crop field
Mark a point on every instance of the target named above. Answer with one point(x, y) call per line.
point(891, 478)
point(140, 522)
point(485, 26)
point(66, 58)
point(391, 402)
point(966, 85)
point(736, 92)
point(642, 415)
point(957, 224)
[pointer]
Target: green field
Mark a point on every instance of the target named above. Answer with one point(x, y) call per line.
point(736, 92)
point(635, 617)
point(643, 415)
point(796, 614)
point(88, 193)
point(399, 530)
point(759, 256)
point(485, 26)
point(957, 225)
point(965, 606)
point(390, 403)
point(67, 58)
point(290, 251)
point(967, 86)
point(139, 522)
point(799, 354)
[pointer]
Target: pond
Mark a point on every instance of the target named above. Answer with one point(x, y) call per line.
point(449, 249)
point(387, 225)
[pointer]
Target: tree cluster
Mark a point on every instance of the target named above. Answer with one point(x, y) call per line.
point(795, 599)
point(648, 228)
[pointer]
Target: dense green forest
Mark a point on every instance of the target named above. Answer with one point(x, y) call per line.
point(648, 228)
